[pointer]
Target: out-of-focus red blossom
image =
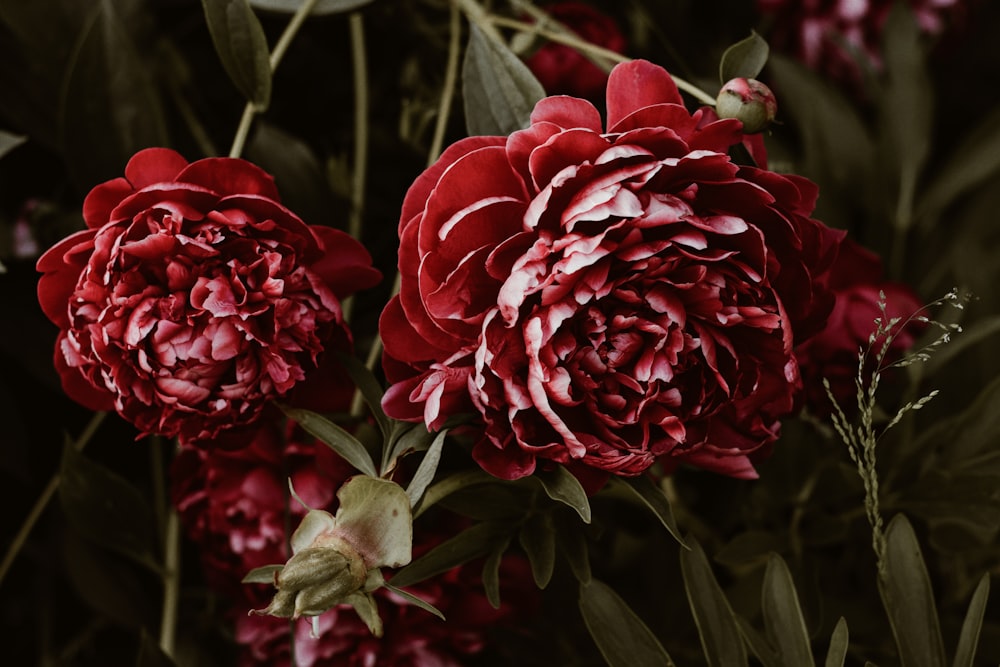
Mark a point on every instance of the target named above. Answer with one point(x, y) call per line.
point(563, 70)
point(607, 298)
point(815, 31)
point(413, 637)
point(193, 297)
point(234, 504)
point(833, 353)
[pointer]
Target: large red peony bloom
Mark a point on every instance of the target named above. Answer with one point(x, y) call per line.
point(606, 298)
point(858, 283)
point(194, 297)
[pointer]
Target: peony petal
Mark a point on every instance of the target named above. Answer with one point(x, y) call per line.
point(229, 176)
point(103, 199)
point(567, 113)
point(637, 84)
point(345, 265)
point(154, 165)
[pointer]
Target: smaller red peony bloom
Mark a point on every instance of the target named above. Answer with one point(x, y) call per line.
point(857, 282)
point(607, 298)
point(194, 298)
point(561, 69)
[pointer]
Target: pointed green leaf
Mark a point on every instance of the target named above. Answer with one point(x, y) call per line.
point(370, 389)
point(491, 574)
point(473, 542)
point(242, 47)
point(573, 545)
point(110, 106)
point(783, 621)
point(367, 609)
point(908, 598)
point(620, 635)
point(404, 437)
point(641, 489)
point(107, 582)
point(717, 627)
point(758, 645)
point(746, 58)
point(9, 142)
point(538, 539)
point(339, 440)
point(414, 600)
point(450, 484)
point(426, 470)
point(498, 89)
point(968, 640)
point(837, 653)
point(906, 105)
point(562, 485)
point(106, 508)
point(262, 575)
point(322, 6)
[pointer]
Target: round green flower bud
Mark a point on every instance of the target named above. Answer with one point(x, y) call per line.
point(748, 101)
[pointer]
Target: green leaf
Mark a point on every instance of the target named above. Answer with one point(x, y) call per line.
point(968, 639)
point(562, 485)
point(620, 635)
point(758, 645)
point(150, 654)
point(322, 6)
point(906, 105)
point(261, 575)
point(339, 440)
point(499, 90)
point(473, 542)
point(450, 484)
point(404, 437)
point(717, 627)
point(110, 107)
point(839, 640)
point(426, 470)
point(370, 389)
point(491, 574)
point(746, 58)
point(538, 539)
point(641, 489)
point(783, 621)
point(908, 599)
point(367, 609)
point(107, 582)
point(106, 508)
point(10, 141)
point(414, 600)
point(242, 48)
point(573, 545)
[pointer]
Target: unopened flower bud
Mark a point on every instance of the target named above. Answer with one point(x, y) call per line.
point(315, 580)
point(749, 101)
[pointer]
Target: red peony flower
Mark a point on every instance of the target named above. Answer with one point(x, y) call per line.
point(606, 298)
point(856, 279)
point(830, 35)
point(563, 70)
point(194, 298)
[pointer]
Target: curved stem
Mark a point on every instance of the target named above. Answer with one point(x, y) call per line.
point(277, 53)
point(44, 498)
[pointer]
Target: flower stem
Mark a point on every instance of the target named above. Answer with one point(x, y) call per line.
point(359, 61)
point(171, 583)
point(44, 498)
point(277, 53)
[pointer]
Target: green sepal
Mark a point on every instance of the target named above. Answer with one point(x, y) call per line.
point(744, 59)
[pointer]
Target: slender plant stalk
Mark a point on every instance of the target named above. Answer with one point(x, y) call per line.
point(171, 583)
point(360, 62)
point(43, 500)
point(489, 22)
point(249, 111)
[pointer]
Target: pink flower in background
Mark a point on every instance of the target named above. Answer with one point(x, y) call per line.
point(563, 70)
point(856, 279)
point(194, 298)
point(606, 298)
point(823, 33)
point(235, 504)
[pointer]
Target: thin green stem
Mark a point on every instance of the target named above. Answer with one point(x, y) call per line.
point(43, 500)
point(360, 62)
point(277, 53)
point(171, 583)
